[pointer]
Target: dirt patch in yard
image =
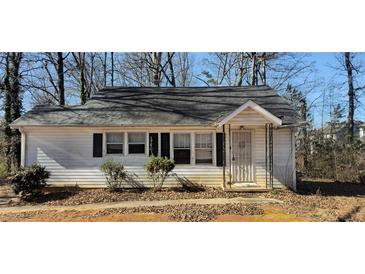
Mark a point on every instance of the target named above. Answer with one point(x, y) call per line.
point(84, 216)
point(271, 213)
point(91, 196)
point(187, 213)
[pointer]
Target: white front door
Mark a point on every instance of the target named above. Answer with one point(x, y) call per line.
point(242, 169)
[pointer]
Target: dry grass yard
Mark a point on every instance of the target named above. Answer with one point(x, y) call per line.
point(314, 201)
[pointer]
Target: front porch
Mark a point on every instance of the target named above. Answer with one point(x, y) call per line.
point(248, 158)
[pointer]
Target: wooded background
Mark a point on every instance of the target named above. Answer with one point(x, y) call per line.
point(68, 78)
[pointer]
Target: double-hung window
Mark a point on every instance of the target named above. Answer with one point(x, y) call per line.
point(182, 148)
point(114, 143)
point(203, 148)
point(137, 143)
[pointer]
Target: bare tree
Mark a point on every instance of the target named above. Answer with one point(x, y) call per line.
point(45, 77)
point(183, 69)
point(350, 69)
point(61, 78)
point(112, 68)
point(12, 107)
point(154, 69)
point(351, 95)
point(104, 67)
point(256, 68)
point(79, 58)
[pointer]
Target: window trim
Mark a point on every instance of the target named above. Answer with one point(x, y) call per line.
point(139, 143)
point(172, 134)
point(172, 145)
point(106, 142)
point(205, 148)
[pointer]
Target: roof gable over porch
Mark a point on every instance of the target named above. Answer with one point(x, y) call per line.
point(250, 113)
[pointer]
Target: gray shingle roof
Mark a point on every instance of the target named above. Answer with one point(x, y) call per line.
point(130, 106)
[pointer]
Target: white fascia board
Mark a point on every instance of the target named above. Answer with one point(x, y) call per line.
point(250, 104)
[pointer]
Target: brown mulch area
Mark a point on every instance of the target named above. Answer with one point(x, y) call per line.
point(180, 213)
point(90, 196)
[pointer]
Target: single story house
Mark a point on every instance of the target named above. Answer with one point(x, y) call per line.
point(234, 137)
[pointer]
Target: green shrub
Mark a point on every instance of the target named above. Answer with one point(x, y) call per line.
point(158, 169)
point(30, 180)
point(115, 174)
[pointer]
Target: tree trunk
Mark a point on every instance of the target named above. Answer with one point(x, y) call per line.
point(16, 103)
point(12, 108)
point(184, 68)
point(91, 85)
point(254, 81)
point(80, 65)
point(242, 69)
point(83, 90)
point(263, 74)
point(61, 79)
point(156, 68)
point(351, 96)
point(7, 115)
point(172, 73)
point(104, 68)
point(112, 69)
point(305, 145)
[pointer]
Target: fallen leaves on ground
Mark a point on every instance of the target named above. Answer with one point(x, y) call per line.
point(91, 196)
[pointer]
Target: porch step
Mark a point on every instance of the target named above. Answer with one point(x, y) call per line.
point(247, 189)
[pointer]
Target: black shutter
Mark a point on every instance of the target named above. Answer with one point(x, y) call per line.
point(165, 145)
point(219, 147)
point(98, 145)
point(153, 144)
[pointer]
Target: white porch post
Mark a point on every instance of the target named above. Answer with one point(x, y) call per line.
point(294, 161)
point(171, 145)
point(22, 147)
point(192, 145)
point(147, 144)
point(214, 149)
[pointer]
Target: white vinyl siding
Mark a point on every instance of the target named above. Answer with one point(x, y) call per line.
point(249, 117)
point(68, 154)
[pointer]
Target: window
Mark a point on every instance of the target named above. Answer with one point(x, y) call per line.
point(136, 143)
point(204, 148)
point(114, 143)
point(182, 148)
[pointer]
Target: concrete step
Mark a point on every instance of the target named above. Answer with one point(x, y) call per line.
point(247, 189)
